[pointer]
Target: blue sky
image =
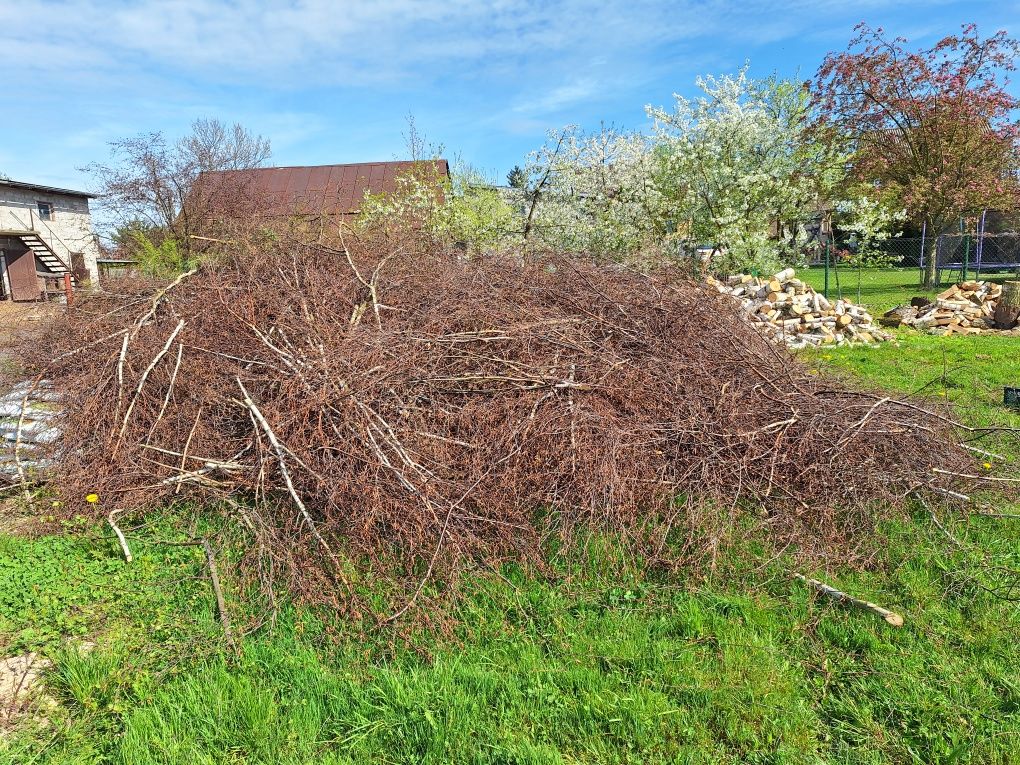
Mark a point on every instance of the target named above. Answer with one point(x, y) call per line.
point(333, 81)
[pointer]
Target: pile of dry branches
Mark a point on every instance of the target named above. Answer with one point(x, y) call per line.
point(369, 406)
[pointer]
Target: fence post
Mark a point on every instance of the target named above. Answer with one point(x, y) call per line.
point(825, 291)
point(980, 250)
point(940, 241)
point(835, 272)
point(966, 257)
point(68, 289)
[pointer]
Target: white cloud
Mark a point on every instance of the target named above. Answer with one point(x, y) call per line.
point(323, 42)
point(300, 44)
point(361, 42)
point(558, 98)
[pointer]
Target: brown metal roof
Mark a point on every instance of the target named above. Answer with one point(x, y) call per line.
point(326, 190)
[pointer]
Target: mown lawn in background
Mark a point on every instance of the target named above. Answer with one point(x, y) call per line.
point(602, 664)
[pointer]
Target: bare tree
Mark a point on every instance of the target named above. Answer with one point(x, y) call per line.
point(152, 181)
point(212, 146)
point(417, 145)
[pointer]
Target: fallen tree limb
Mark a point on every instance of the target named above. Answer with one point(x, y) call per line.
point(157, 299)
point(992, 514)
point(169, 390)
point(91, 344)
point(214, 576)
point(221, 604)
point(120, 534)
point(145, 376)
point(982, 452)
point(973, 477)
point(938, 524)
point(950, 493)
point(831, 592)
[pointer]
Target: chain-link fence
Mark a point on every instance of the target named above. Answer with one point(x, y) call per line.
point(958, 257)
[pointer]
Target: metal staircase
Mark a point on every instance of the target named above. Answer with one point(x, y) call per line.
point(43, 252)
point(40, 240)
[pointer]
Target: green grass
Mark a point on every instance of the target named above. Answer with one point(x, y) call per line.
point(76, 586)
point(600, 664)
point(969, 371)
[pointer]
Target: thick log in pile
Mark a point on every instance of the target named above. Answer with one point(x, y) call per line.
point(968, 308)
point(391, 411)
point(1007, 309)
point(787, 310)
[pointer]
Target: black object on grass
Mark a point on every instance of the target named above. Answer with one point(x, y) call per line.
point(1011, 397)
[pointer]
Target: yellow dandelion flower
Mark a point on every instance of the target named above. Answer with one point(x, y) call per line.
point(988, 466)
point(92, 499)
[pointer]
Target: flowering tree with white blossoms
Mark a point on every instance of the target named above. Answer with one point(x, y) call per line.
point(741, 169)
point(593, 193)
point(868, 219)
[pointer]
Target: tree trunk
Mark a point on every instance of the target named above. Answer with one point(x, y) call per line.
point(1007, 310)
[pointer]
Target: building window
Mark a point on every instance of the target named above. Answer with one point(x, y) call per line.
point(45, 210)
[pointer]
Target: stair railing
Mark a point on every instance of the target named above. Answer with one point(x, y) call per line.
point(52, 236)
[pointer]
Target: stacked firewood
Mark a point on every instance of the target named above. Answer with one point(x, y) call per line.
point(967, 308)
point(788, 310)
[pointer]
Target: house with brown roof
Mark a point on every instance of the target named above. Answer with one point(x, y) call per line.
point(316, 191)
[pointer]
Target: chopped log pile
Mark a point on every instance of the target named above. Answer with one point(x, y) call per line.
point(787, 310)
point(968, 308)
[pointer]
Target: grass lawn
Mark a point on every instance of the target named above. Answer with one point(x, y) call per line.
point(878, 288)
point(602, 664)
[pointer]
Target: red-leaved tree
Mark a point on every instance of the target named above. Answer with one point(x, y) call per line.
point(935, 125)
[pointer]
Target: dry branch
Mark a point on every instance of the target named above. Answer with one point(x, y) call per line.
point(281, 456)
point(112, 520)
point(221, 605)
point(831, 592)
point(145, 376)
